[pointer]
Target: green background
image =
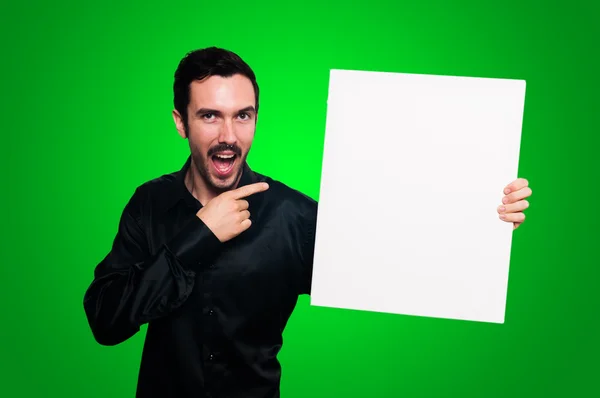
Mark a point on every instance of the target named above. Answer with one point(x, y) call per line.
point(86, 102)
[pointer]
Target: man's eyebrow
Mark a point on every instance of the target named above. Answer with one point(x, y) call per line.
point(247, 109)
point(203, 111)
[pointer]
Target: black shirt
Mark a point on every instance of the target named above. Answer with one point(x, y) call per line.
point(215, 311)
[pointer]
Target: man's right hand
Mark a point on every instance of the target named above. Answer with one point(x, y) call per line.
point(227, 215)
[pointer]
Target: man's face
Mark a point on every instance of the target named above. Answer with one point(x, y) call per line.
point(221, 125)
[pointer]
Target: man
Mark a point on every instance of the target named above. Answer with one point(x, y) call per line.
point(214, 256)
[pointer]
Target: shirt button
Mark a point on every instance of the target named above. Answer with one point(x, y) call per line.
point(212, 266)
point(211, 357)
point(211, 312)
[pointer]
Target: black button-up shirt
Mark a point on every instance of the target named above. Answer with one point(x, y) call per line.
point(215, 311)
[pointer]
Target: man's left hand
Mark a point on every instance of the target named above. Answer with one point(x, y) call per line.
point(513, 203)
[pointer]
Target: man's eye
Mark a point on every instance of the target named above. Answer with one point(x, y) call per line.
point(244, 116)
point(208, 116)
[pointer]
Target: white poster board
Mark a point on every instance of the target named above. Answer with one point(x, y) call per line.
point(413, 171)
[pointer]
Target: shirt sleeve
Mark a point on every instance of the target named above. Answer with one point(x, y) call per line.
point(132, 286)
point(308, 248)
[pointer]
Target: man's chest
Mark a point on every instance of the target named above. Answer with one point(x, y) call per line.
point(262, 262)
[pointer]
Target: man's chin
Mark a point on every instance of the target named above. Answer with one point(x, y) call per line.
point(227, 183)
point(223, 186)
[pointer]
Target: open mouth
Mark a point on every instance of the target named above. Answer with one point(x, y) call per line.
point(223, 162)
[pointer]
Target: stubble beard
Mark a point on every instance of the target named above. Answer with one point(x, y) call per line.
point(213, 183)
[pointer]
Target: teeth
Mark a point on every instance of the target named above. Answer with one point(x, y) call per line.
point(225, 156)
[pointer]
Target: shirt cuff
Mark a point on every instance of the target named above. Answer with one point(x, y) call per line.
point(195, 245)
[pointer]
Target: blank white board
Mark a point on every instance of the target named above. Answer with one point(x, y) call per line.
point(414, 168)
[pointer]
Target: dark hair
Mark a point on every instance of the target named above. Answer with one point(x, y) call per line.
point(202, 63)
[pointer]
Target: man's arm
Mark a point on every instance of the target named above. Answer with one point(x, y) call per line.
point(309, 226)
point(131, 286)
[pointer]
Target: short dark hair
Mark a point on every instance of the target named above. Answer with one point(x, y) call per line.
point(202, 63)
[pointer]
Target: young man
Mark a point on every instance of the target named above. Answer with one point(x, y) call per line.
point(214, 256)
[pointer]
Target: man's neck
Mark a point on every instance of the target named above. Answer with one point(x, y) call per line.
point(197, 186)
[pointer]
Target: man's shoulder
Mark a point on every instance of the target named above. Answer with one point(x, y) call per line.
point(160, 183)
point(156, 193)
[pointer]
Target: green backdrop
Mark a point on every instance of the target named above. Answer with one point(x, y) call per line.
point(86, 102)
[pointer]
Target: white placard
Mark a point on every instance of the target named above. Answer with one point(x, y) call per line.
point(414, 168)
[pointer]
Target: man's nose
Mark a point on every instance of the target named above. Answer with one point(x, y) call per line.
point(227, 133)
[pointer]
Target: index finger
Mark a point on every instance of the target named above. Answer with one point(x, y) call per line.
point(517, 184)
point(248, 190)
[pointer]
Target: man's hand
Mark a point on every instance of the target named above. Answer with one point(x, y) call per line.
point(227, 215)
point(513, 204)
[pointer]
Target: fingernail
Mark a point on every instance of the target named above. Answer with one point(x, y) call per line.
point(507, 191)
point(502, 208)
point(505, 200)
point(503, 216)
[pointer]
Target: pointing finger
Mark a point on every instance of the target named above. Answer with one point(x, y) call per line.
point(248, 190)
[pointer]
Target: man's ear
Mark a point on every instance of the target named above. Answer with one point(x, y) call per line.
point(179, 124)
